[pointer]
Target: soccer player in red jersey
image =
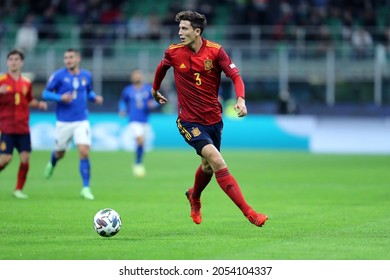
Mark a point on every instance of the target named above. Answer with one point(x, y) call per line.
point(15, 98)
point(198, 64)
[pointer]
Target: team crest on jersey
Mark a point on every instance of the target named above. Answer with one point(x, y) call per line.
point(83, 82)
point(24, 90)
point(208, 64)
point(195, 131)
point(3, 146)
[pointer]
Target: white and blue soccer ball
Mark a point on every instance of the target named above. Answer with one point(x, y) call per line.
point(107, 222)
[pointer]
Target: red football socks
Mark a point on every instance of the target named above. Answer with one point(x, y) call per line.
point(22, 175)
point(230, 186)
point(201, 181)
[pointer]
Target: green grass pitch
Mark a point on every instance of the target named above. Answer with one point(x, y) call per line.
point(320, 207)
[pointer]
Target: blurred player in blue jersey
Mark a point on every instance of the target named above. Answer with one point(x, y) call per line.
point(71, 88)
point(136, 102)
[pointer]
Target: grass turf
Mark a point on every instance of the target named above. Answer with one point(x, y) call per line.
point(320, 207)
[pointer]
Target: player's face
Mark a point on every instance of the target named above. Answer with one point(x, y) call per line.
point(71, 60)
point(187, 34)
point(137, 77)
point(14, 63)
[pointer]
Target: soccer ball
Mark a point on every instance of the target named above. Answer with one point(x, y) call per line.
point(107, 222)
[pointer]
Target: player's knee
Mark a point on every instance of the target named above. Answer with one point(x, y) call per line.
point(206, 167)
point(5, 160)
point(219, 165)
point(140, 141)
point(24, 157)
point(84, 154)
point(60, 154)
point(217, 162)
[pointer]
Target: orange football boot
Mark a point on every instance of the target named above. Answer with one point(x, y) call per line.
point(195, 207)
point(257, 219)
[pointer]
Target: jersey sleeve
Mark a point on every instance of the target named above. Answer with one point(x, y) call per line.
point(161, 70)
point(122, 104)
point(30, 94)
point(90, 82)
point(52, 83)
point(231, 71)
point(90, 92)
point(228, 67)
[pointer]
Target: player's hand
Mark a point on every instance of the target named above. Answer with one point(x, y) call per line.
point(67, 97)
point(240, 107)
point(99, 100)
point(42, 105)
point(3, 89)
point(159, 97)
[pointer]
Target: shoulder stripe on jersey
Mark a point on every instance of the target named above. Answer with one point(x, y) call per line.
point(175, 46)
point(3, 77)
point(213, 45)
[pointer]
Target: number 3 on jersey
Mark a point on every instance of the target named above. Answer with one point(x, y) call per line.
point(198, 80)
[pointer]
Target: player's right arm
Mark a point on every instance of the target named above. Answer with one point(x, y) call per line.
point(50, 94)
point(159, 76)
point(122, 104)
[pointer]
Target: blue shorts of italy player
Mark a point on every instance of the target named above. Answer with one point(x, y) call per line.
point(22, 143)
point(198, 135)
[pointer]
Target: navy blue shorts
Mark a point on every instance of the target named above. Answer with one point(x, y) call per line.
point(198, 135)
point(21, 142)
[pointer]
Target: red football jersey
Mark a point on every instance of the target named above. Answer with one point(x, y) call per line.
point(14, 105)
point(197, 79)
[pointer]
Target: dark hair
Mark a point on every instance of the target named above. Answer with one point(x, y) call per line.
point(135, 70)
point(73, 50)
point(197, 20)
point(16, 51)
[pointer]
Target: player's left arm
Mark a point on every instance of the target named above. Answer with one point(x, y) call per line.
point(41, 105)
point(91, 94)
point(122, 104)
point(33, 102)
point(93, 97)
point(231, 71)
point(239, 88)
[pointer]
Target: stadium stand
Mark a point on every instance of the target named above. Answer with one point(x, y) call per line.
point(313, 49)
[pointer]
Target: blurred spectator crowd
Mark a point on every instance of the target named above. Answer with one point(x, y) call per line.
point(362, 23)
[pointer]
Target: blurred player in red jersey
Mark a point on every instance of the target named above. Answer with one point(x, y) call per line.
point(15, 98)
point(198, 64)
